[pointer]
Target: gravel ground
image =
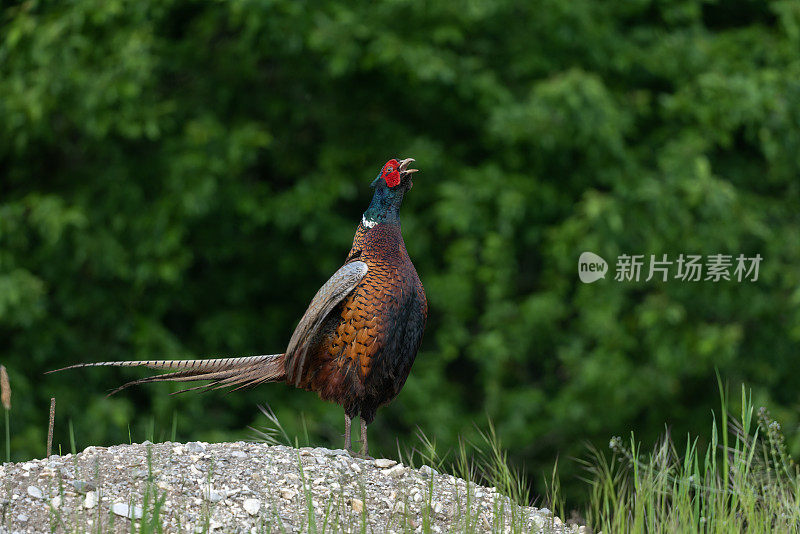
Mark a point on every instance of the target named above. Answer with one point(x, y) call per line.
point(248, 488)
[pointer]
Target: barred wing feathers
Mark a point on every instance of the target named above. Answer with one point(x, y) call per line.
point(329, 295)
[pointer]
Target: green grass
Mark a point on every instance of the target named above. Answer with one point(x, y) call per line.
point(743, 481)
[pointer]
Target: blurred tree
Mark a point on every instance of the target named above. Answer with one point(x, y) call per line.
point(178, 178)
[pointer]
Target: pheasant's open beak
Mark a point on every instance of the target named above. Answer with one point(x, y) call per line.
point(405, 171)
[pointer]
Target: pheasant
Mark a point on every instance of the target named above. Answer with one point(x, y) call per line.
point(357, 340)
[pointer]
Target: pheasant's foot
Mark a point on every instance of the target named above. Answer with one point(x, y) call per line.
point(347, 445)
point(364, 445)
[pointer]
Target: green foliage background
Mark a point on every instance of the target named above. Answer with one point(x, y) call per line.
point(178, 178)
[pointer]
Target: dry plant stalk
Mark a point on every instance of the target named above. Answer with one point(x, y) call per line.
point(5, 399)
point(50, 428)
point(5, 388)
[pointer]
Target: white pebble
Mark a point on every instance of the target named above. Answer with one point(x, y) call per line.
point(384, 463)
point(123, 510)
point(91, 500)
point(428, 470)
point(251, 506)
point(397, 470)
point(195, 447)
point(35, 492)
point(214, 496)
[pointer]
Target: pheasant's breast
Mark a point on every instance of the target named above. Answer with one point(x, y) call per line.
point(368, 316)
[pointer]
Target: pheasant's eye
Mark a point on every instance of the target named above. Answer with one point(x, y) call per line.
point(389, 169)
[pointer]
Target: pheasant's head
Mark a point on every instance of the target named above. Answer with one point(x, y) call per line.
point(391, 184)
point(396, 173)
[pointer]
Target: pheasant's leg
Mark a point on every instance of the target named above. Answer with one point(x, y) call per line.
point(347, 445)
point(365, 446)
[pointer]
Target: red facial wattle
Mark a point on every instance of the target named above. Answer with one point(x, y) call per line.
point(391, 173)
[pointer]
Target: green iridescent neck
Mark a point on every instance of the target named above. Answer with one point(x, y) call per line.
point(385, 205)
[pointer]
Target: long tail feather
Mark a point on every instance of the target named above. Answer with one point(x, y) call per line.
point(222, 372)
point(184, 365)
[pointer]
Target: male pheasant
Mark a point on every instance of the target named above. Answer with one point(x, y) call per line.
point(357, 340)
